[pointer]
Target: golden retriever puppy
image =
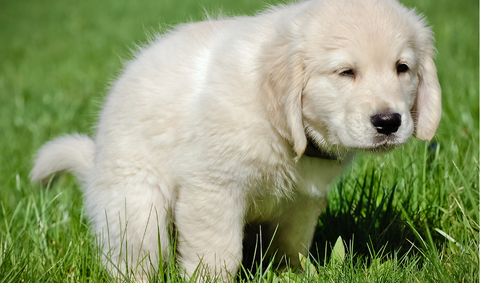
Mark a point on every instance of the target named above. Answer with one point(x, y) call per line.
point(226, 122)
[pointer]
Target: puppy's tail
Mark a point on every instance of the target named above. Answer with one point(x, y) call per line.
point(72, 153)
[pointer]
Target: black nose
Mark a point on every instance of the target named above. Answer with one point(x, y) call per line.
point(386, 123)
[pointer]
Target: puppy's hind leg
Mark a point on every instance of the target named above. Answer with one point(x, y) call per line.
point(130, 216)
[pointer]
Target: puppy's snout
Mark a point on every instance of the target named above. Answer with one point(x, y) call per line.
point(386, 123)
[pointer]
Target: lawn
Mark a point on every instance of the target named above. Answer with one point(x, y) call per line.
point(411, 215)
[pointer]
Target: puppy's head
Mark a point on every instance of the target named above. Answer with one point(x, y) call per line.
point(367, 78)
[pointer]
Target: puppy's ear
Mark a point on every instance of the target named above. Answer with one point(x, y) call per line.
point(427, 109)
point(282, 76)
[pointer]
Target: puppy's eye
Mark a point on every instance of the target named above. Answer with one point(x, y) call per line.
point(402, 68)
point(348, 73)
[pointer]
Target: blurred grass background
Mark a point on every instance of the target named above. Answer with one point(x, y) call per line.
point(57, 58)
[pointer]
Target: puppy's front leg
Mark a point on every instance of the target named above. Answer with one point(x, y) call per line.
point(295, 227)
point(210, 223)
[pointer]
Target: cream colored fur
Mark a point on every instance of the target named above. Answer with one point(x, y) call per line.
point(208, 125)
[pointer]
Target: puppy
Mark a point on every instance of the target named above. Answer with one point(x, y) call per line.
point(226, 122)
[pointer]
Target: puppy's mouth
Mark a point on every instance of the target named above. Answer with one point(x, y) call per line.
point(318, 147)
point(383, 143)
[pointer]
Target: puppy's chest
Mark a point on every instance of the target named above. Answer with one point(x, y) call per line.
point(273, 193)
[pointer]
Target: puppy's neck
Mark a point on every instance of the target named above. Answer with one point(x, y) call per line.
point(312, 150)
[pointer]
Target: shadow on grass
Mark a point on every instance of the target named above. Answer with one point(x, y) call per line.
point(370, 219)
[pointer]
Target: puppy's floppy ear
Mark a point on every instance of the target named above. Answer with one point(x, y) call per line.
point(282, 76)
point(427, 109)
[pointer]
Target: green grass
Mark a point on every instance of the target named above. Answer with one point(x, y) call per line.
point(408, 216)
